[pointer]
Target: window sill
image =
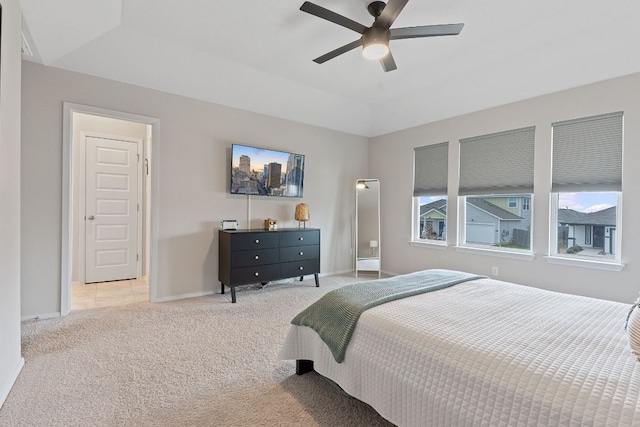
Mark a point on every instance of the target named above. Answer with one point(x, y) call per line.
point(526, 256)
point(574, 262)
point(430, 245)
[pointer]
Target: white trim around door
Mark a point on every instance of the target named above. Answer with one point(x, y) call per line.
point(67, 196)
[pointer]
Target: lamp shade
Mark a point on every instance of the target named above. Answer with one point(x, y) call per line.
point(361, 185)
point(302, 212)
point(373, 243)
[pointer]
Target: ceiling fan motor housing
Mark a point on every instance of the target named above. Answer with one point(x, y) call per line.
point(375, 35)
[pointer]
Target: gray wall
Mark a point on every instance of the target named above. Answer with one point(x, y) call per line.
point(10, 359)
point(392, 161)
point(194, 144)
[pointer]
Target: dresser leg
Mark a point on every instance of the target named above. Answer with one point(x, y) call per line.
point(304, 366)
point(301, 277)
point(317, 281)
point(233, 294)
point(222, 288)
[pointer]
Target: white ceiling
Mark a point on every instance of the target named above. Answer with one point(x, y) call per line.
point(257, 55)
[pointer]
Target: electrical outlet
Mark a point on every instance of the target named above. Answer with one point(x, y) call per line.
point(494, 271)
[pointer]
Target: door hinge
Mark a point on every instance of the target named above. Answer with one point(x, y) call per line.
point(138, 157)
point(137, 257)
point(138, 207)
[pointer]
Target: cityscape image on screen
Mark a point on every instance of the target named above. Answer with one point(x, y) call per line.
point(263, 172)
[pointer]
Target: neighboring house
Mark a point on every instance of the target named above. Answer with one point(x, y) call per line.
point(490, 220)
point(588, 229)
point(489, 223)
point(433, 220)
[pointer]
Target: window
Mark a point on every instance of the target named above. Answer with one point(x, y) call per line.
point(496, 176)
point(526, 203)
point(585, 198)
point(587, 234)
point(432, 218)
point(430, 193)
point(587, 223)
point(489, 223)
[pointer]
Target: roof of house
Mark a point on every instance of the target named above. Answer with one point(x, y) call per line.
point(492, 209)
point(603, 217)
point(438, 205)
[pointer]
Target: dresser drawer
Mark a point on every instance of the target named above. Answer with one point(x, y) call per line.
point(255, 274)
point(300, 238)
point(296, 253)
point(245, 241)
point(300, 268)
point(254, 257)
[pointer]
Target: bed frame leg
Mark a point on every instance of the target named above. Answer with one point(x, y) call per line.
point(304, 366)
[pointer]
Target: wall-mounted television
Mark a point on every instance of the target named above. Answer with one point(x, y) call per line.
point(265, 172)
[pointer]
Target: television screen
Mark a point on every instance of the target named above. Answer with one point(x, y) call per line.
point(263, 172)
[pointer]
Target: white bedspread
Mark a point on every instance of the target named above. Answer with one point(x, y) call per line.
point(487, 353)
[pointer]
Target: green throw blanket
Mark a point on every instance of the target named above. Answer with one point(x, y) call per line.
point(334, 316)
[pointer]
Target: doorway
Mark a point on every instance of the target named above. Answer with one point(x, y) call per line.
point(598, 236)
point(109, 220)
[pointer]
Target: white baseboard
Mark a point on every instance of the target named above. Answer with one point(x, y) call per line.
point(6, 388)
point(183, 296)
point(40, 316)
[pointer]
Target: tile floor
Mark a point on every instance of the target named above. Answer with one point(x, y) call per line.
point(92, 295)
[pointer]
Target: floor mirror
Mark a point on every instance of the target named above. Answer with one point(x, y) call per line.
point(367, 227)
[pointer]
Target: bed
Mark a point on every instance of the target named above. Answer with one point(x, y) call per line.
point(484, 353)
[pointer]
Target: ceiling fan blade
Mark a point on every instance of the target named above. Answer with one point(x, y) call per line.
point(388, 63)
point(330, 16)
point(425, 31)
point(339, 51)
point(390, 13)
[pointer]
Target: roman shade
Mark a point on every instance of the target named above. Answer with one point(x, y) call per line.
point(497, 163)
point(587, 154)
point(430, 170)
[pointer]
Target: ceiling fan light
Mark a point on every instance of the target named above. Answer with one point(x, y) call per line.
point(375, 50)
point(375, 43)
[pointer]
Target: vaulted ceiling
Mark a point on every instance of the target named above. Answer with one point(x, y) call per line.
point(257, 55)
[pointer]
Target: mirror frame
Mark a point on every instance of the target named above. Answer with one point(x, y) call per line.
point(371, 263)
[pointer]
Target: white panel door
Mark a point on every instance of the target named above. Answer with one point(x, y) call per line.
point(111, 221)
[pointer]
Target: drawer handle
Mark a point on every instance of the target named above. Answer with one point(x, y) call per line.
point(300, 268)
point(256, 257)
point(300, 238)
point(256, 241)
point(256, 274)
point(300, 253)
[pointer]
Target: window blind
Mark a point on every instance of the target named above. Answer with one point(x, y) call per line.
point(587, 154)
point(430, 170)
point(498, 163)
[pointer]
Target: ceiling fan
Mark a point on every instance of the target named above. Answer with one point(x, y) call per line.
point(375, 39)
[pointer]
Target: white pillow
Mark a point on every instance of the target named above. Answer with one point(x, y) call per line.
point(633, 328)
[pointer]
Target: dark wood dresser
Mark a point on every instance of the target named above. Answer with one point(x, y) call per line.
point(258, 256)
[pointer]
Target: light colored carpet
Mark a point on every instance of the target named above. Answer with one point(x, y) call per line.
point(196, 362)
